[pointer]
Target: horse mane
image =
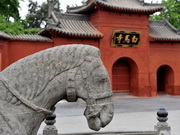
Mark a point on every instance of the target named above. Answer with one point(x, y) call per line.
point(29, 76)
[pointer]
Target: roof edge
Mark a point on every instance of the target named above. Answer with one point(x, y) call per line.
point(67, 34)
point(4, 35)
point(177, 31)
point(97, 3)
point(24, 37)
point(168, 24)
point(81, 9)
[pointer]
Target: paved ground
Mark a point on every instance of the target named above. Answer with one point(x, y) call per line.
point(131, 114)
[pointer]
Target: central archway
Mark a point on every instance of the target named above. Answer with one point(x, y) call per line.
point(121, 76)
point(125, 76)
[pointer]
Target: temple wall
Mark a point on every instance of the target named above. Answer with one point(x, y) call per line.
point(107, 22)
point(4, 58)
point(19, 49)
point(165, 54)
point(63, 41)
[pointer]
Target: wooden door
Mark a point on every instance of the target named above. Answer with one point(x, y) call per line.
point(121, 76)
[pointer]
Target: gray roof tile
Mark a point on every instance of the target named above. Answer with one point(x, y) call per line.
point(28, 37)
point(120, 5)
point(162, 30)
point(73, 25)
point(24, 37)
point(4, 35)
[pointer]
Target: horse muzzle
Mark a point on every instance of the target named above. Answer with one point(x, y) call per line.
point(99, 115)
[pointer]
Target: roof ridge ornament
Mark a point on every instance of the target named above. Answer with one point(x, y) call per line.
point(57, 22)
point(166, 20)
point(50, 8)
point(141, 2)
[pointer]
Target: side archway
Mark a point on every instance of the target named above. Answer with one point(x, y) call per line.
point(165, 79)
point(125, 76)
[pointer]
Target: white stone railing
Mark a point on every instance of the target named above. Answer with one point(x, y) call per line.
point(161, 128)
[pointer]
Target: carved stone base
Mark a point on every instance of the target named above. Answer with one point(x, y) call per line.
point(50, 130)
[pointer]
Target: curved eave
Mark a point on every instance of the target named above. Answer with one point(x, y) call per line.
point(88, 8)
point(164, 39)
point(93, 6)
point(24, 37)
point(4, 36)
point(80, 35)
point(33, 38)
point(131, 10)
point(63, 33)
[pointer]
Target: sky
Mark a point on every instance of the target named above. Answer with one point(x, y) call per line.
point(64, 3)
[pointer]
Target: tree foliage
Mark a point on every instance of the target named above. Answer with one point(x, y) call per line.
point(9, 8)
point(171, 12)
point(16, 27)
point(38, 14)
point(10, 21)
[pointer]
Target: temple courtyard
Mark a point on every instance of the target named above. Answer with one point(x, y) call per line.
point(131, 114)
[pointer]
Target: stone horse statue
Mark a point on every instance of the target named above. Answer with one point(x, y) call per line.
point(30, 88)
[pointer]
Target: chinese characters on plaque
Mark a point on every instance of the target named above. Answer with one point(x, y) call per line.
point(125, 39)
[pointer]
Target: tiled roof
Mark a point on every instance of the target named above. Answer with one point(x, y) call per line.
point(136, 6)
point(162, 30)
point(4, 35)
point(72, 25)
point(25, 37)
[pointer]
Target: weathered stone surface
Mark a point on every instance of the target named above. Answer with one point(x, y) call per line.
point(33, 85)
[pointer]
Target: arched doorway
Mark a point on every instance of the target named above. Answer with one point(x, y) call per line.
point(121, 76)
point(165, 80)
point(125, 76)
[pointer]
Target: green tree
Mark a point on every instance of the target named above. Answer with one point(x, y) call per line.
point(171, 11)
point(38, 14)
point(9, 8)
point(10, 21)
point(16, 27)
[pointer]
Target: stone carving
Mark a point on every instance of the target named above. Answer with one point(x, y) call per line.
point(33, 85)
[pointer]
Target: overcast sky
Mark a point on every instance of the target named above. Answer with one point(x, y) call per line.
point(64, 3)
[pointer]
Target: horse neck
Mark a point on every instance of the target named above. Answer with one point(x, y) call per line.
point(33, 116)
point(54, 92)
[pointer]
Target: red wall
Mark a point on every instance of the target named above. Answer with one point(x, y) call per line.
point(16, 50)
point(4, 54)
point(106, 23)
point(165, 54)
point(63, 41)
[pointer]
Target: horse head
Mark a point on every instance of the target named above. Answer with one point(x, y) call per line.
point(33, 85)
point(90, 81)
